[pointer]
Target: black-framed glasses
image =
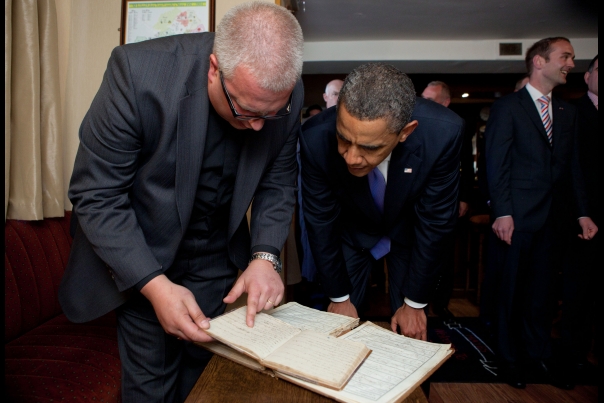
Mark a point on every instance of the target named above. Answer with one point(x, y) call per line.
point(282, 113)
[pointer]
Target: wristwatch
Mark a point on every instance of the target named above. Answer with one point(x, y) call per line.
point(274, 259)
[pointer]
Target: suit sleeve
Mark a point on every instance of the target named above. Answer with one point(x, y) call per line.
point(499, 138)
point(104, 170)
point(275, 196)
point(321, 214)
point(436, 211)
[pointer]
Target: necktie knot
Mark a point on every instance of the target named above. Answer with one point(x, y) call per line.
point(544, 100)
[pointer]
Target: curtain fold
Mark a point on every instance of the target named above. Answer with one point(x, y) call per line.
point(33, 156)
point(7, 96)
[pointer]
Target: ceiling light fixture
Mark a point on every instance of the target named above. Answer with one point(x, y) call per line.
point(465, 95)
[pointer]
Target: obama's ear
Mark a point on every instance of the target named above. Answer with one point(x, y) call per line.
point(407, 130)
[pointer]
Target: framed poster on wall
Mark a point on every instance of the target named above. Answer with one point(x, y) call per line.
point(149, 19)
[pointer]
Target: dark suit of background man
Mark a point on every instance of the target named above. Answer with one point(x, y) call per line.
point(381, 131)
point(526, 171)
point(579, 312)
point(439, 92)
point(177, 142)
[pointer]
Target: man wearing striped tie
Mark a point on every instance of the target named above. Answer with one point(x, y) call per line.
point(532, 163)
point(380, 177)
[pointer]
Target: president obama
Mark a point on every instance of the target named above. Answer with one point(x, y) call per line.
point(380, 176)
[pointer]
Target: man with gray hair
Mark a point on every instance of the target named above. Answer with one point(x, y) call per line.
point(332, 91)
point(439, 92)
point(184, 132)
point(380, 175)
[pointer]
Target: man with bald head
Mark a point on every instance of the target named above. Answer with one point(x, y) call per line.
point(438, 92)
point(184, 132)
point(380, 176)
point(332, 91)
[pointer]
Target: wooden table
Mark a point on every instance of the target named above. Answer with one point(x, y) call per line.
point(225, 381)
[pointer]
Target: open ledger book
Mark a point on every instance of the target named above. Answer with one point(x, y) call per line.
point(396, 366)
point(309, 355)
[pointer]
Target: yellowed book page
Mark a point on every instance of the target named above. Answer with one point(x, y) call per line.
point(397, 365)
point(225, 351)
point(267, 335)
point(319, 358)
point(305, 318)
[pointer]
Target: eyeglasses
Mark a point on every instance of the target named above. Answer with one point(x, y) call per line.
point(284, 112)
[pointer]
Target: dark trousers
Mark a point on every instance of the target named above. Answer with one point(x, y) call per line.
point(579, 298)
point(156, 367)
point(359, 263)
point(524, 285)
point(443, 288)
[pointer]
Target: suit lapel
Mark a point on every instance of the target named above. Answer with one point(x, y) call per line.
point(590, 109)
point(559, 115)
point(404, 168)
point(529, 106)
point(193, 112)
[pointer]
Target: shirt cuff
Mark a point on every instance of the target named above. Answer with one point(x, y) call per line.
point(340, 299)
point(139, 286)
point(415, 305)
point(266, 248)
point(503, 216)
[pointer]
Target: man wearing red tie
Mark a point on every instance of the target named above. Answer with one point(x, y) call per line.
point(532, 161)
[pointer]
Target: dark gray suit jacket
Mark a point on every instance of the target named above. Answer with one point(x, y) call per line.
point(137, 170)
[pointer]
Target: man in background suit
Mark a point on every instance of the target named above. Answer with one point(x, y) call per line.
point(184, 132)
point(439, 92)
point(332, 91)
point(380, 176)
point(529, 159)
point(580, 285)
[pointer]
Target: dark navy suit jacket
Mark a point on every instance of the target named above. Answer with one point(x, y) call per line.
point(421, 203)
point(524, 172)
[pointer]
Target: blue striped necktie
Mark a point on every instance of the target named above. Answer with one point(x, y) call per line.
point(545, 117)
point(377, 185)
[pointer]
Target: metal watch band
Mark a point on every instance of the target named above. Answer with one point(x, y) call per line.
point(274, 259)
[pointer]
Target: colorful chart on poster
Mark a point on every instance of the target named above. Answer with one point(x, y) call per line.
point(154, 19)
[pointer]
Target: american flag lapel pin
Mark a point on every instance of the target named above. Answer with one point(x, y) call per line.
point(408, 170)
